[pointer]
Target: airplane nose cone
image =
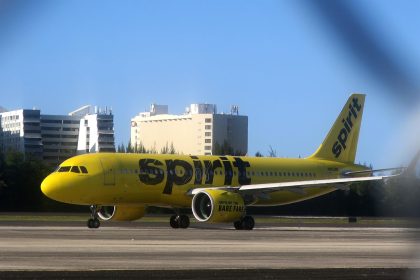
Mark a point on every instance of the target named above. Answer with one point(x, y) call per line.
point(51, 187)
point(46, 186)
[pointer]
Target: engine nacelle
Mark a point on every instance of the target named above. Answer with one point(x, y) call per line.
point(121, 213)
point(218, 206)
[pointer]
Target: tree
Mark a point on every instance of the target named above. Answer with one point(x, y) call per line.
point(258, 154)
point(141, 149)
point(172, 149)
point(226, 149)
point(121, 148)
point(165, 149)
point(129, 148)
point(272, 152)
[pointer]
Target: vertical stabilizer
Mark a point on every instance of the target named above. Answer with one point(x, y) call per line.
point(341, 141)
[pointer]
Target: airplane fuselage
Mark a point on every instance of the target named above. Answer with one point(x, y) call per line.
point(165, 180)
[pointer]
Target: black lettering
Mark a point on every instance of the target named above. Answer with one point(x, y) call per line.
point(336, 149)
point(342, 137)
point(198, 166)
point(348, 120)
point(150, 174)
point(353, 112)
point(228, 171)
point(346, 126)
point(242, 165)
point(210, 167)
point(356, 104)
point(173, 177)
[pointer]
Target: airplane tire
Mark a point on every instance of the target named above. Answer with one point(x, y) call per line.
point(96, 223)
point(184, 221)
point(90, 223)
point(238, 225)
point(174, 221)
point(248, 223)
point(93, 223)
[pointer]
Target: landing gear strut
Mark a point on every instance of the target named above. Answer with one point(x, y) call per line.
point(179, 221)
point(246, 223)
point(93, 222)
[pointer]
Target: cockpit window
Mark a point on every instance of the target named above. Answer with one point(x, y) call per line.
point(83, 169)
point(75, 169)
point(64, 169)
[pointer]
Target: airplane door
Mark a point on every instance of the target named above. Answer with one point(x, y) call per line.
point(109, 172)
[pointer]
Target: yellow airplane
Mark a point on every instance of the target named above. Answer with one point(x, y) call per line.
point(217, 188)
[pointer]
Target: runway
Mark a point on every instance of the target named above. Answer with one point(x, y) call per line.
point(155, 246)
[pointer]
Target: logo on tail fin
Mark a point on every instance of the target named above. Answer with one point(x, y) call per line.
point(342, 137)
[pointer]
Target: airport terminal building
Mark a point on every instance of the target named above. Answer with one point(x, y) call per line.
point(55, 138)
point(199, 131)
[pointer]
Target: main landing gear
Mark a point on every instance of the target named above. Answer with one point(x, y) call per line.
point(93, 222)
point(179, 221)
point(246, 223)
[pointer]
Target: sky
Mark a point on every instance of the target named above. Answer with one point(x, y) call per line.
point(289, 65)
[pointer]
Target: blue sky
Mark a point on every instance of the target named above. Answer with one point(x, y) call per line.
point(287, 64)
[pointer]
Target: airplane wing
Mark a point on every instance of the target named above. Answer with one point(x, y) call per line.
point(295, 186)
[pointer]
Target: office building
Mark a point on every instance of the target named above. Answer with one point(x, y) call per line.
point(200, 130)
point(55, 138)
point(20, 131)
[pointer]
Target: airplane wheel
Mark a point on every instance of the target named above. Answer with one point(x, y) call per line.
point(90, 223)
point(174, 221)
point(93, 223)
point(183, 221)
point(96, 223)
point(238, 225)
point(248, 223)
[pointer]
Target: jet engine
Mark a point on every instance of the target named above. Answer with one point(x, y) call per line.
point(121, 213)
point(218, 206)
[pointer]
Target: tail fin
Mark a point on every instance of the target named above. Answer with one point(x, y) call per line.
point(341, 141)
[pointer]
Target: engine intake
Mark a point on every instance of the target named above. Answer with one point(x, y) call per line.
point(218, 206)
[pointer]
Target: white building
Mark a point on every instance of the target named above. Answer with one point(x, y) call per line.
point(201, 130)
point(96, 132)
point(20, 131)
point(55, 138)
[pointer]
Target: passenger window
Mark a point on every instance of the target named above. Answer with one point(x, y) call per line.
point(75, 169)
point(64, 169)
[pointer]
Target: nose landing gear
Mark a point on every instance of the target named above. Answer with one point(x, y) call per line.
point(93, 222)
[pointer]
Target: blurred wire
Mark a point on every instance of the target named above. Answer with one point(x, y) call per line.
point(368, 47)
